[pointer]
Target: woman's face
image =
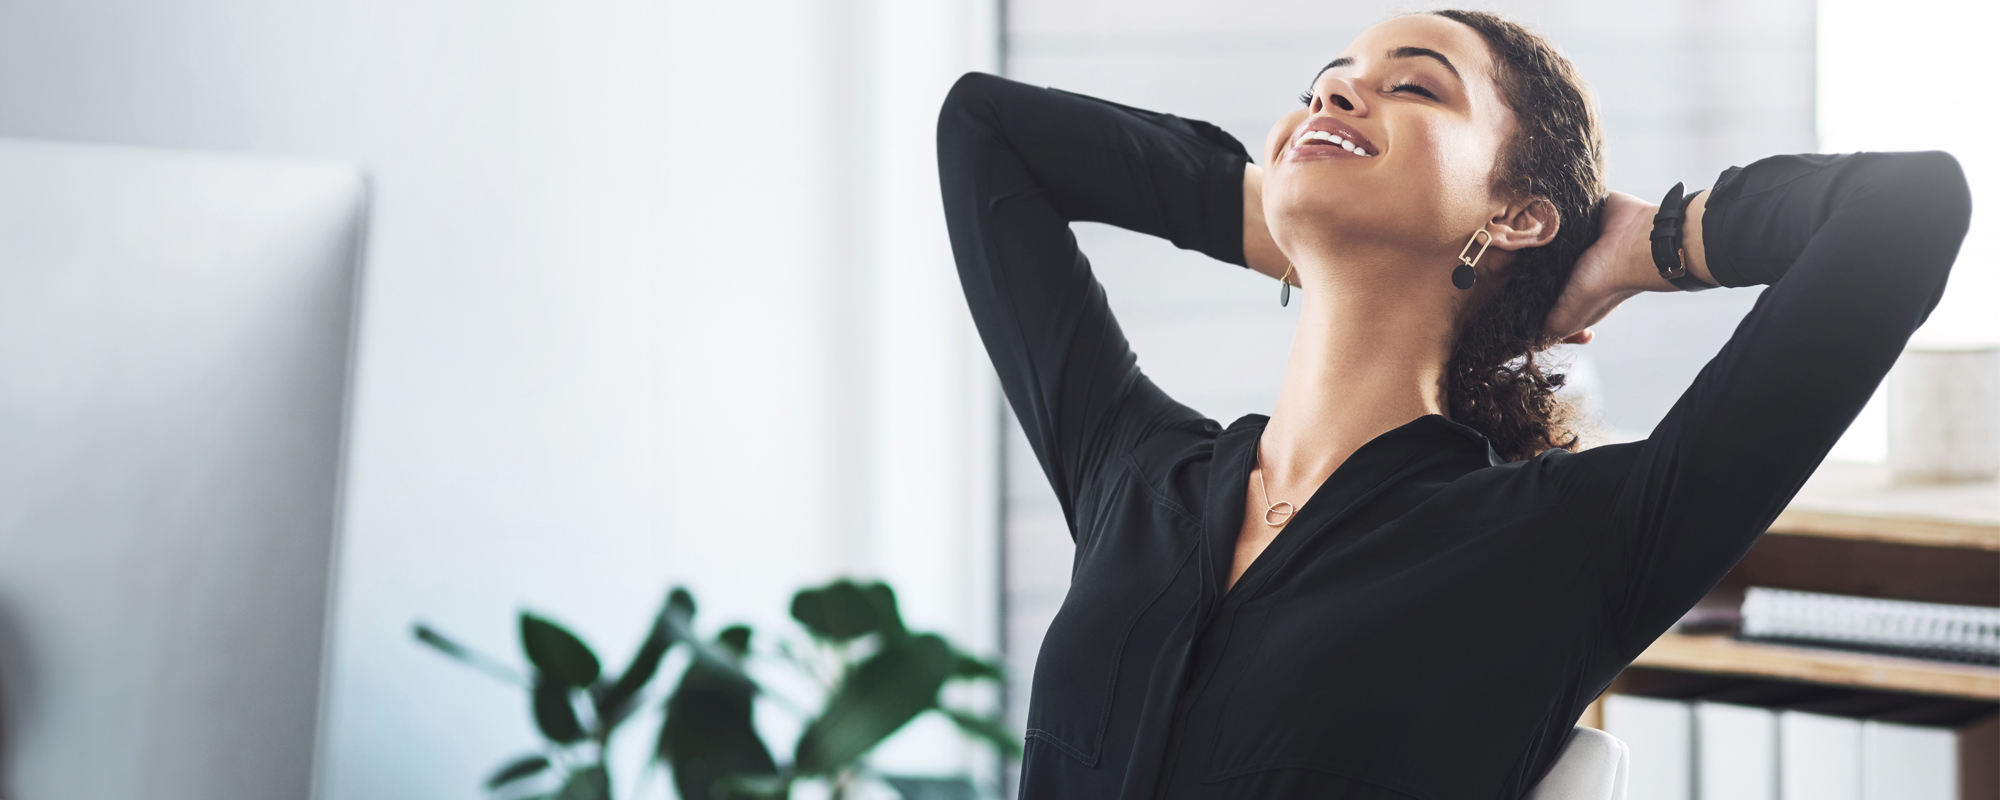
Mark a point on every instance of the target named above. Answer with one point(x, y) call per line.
point(1416, 98)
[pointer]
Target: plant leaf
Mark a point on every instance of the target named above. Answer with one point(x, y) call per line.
point(589, 783)
point(965, 666)
point(932, 788)
point(708, 737)
point(553, 712)
point(558, 653)
point(615, 703)
point(988, 729)
point(680, 628)
point(517, 769)
point(444, 644)
point(884, 599)
point(480, 661)
point(877, 698)
point(837, 612)
point(752, 787)
point(736, 638)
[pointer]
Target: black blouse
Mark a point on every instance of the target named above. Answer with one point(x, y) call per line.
point(1432, 621)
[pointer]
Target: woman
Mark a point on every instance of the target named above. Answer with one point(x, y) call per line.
point(1402, 583)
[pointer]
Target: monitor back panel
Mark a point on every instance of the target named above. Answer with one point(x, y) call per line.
point(175, 339)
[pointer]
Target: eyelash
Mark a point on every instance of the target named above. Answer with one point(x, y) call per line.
point(1414, 88)
point(1306, 98)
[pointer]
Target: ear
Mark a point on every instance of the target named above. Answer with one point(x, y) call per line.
point(1523, 224)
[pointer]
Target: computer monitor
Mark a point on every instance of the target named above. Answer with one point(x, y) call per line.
point(175, 349)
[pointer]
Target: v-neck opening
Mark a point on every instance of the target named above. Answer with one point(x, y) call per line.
point(1319, 498)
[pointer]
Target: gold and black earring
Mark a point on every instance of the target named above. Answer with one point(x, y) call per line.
point(1285, 286)
point(1463, 275)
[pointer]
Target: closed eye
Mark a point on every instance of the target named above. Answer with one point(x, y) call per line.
point(1413, 89)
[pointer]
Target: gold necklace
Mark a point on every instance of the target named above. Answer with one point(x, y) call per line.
point(1281, 508)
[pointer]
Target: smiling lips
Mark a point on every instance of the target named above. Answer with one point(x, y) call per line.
point(1322, 134)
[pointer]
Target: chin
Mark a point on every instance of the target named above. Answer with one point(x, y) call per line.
point(1339, 214)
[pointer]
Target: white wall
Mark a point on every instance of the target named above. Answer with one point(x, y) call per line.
point(1917, 80)
point(657, 292)
point(1900, 82)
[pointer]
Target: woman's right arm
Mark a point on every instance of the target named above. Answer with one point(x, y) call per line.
point(1017, 164)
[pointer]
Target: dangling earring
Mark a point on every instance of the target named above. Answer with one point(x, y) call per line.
point(1285, 286)
point(1463, 275)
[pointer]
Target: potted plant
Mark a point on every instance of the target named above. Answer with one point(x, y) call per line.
point(877, 674)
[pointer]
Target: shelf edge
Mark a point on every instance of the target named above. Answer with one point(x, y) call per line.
point(1726, 656)
point(1921, 531)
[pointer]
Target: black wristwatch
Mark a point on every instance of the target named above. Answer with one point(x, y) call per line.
point(1667, 255)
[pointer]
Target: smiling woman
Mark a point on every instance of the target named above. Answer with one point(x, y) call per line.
point(1283, 607)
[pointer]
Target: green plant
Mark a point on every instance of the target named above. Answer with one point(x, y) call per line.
point(877, 674)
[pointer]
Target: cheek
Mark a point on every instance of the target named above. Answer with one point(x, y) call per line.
point(1464, 162)
point(1280, 130)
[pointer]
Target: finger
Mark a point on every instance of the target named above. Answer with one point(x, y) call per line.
point(1580, 337)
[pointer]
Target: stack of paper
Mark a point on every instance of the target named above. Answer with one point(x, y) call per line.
point(1929, 630)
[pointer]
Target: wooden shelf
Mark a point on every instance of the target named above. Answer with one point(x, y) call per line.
point(1892, 530)
point(1722, 655)
point(1863, 502)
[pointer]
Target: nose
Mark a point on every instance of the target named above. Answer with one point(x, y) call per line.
point(1340, 93)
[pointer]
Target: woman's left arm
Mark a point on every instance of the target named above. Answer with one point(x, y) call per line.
point(1855, 249)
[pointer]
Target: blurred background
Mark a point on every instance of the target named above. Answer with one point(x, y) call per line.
point(656, 292)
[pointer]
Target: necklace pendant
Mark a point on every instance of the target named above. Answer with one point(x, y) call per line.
point(1282, 510)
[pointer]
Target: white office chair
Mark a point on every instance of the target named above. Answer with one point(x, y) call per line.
point(1592, 767)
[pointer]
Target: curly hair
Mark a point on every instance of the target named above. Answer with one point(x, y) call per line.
point(1496, 384)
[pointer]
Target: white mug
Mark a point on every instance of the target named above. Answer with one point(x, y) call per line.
point(1944, 414)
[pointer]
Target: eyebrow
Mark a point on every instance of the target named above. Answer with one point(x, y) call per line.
point(1425, 52)
point(1400, 52)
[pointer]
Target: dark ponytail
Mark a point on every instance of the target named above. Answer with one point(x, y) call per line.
point(1495, 382)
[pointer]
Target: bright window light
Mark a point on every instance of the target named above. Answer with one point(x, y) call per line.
point(1917, 75)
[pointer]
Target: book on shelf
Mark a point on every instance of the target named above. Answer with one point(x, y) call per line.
point(1968, 634)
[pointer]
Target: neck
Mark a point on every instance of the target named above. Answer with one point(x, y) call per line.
point(1362, 363)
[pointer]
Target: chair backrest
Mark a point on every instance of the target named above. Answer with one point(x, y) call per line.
point(1592, 767)
point(174, 353)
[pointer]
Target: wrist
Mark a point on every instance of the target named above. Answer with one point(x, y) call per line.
point(1675, 241)
point(1640, 273)
point(1693, 254)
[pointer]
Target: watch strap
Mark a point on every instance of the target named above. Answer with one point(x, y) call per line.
point(1668, 226)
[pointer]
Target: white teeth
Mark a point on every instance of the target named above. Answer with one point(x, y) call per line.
point(1333, 139)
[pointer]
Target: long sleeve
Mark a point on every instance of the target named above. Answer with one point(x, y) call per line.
point(1855, 249)
point(1017, 164)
